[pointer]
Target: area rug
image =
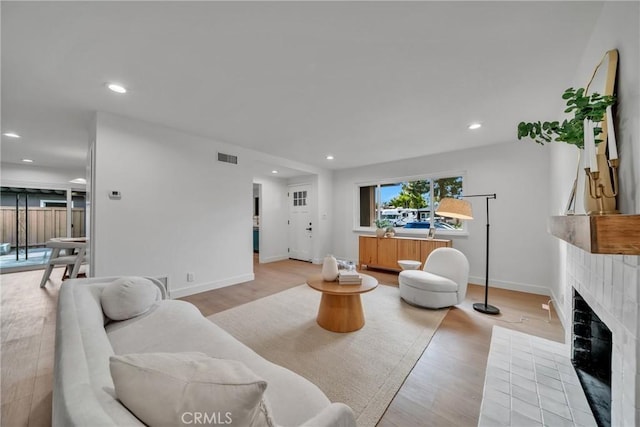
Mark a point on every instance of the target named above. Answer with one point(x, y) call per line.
point(363, 369)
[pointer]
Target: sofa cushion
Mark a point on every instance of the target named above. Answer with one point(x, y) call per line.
point(173, 389)
point(128, 297)
point(177, 326)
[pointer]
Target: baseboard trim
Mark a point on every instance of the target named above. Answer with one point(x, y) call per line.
point(273, 259)
point(559, 310)
point(203, 287)
point(512, 286)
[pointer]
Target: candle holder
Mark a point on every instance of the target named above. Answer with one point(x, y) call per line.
point(599, 192)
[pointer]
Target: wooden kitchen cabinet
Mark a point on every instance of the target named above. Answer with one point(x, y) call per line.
point(384, 252)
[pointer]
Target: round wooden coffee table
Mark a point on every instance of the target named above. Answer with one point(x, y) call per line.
point(340, 307)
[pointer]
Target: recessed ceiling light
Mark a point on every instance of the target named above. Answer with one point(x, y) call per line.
point(11, 134)
point(274, 171)
point(329, 157)
point(115, 87)
point(473, 126)
point(27, 160)
point(78, 181)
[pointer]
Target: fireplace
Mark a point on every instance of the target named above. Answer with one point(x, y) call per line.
point(610, 285)
point(592, 347)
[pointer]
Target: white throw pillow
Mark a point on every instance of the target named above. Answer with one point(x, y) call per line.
point(175, 389)
point(128, 297)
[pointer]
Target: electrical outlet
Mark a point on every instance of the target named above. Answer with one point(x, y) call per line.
point(545, 307)
point(190, 277)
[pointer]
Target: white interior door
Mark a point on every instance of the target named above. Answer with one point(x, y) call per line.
point(300, 225)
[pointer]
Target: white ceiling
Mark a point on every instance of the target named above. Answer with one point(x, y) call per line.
point(365, 81)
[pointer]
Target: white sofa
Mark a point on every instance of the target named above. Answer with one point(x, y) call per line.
point(83, 391)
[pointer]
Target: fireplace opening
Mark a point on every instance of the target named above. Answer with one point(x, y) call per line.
point(592, 349)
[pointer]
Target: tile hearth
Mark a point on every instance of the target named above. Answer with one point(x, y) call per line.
point(530, 381)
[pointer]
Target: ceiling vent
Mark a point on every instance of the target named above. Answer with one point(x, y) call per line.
point(228, 158)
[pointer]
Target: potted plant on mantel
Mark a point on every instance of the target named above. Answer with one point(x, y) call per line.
point(383, 227)
point(583, 106)
point(571, 131)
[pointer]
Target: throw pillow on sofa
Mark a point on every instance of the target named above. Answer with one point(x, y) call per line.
point(128, 297)
point(176, 389)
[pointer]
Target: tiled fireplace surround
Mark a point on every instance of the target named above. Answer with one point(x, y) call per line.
point(609, 284)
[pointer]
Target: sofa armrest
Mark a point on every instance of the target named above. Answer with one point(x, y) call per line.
point(334, 415)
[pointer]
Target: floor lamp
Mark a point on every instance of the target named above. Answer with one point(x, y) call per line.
point(461, 209)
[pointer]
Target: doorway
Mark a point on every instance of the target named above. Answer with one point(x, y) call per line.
point(300, 223)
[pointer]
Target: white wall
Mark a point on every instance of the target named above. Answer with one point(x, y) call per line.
point(618, 27)
point(181, 210)
point(517, 172)
point(273, 219)
point(325, 222)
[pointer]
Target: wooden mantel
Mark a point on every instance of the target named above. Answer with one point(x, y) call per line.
point(599, 234)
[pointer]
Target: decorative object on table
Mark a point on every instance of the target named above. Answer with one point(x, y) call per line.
point(344, 264)
point(349, 277)
point(592, 121)
point(381, 226)
point(330, 268)
point(389, 232)
point(461, 209)
point(431, 234)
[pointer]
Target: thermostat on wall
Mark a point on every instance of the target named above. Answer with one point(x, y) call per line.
point(115, 195)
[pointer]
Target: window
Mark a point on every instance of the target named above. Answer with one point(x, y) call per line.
point(299, 198)
point(409, 204)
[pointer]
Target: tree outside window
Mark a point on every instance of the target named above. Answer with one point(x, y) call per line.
point(408, 204)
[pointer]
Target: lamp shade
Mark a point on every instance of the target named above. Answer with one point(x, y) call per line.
point(454, 208)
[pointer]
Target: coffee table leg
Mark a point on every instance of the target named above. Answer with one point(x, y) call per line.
point(341, 313)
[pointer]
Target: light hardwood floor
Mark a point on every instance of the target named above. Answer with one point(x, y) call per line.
point(444, 388)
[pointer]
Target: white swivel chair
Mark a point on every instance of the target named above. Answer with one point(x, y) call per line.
point(59, 256)
point(441, 283)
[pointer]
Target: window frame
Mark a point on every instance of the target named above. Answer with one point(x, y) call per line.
point(401, 231)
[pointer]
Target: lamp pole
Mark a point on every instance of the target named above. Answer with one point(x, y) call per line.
point(486, 308)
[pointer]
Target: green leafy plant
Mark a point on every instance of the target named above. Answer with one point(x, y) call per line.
point(571, 131)
point(382, 223)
